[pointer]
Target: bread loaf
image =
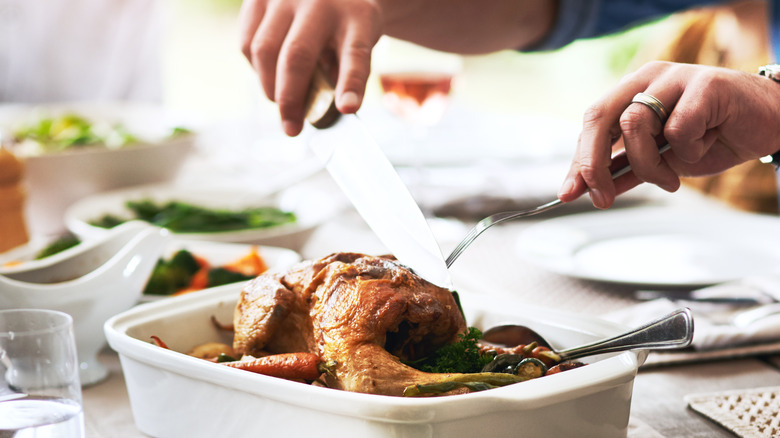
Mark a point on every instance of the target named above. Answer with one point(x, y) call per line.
point(13, 229)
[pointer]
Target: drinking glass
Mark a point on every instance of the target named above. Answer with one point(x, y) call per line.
point(40, 391)
point(416, 85)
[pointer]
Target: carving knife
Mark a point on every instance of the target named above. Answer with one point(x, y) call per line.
point(365, 175)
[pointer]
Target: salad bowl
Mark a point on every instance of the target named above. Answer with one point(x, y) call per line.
point(65, 171)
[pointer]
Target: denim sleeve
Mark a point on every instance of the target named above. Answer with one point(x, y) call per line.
point(579, 19)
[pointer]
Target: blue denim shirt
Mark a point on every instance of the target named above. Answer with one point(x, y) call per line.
point(591, 18)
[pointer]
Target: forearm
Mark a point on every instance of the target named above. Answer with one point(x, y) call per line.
point(470, 26)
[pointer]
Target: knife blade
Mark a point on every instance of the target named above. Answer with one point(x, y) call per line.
point(368, 179)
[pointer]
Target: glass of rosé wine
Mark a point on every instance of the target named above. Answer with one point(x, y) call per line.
point(416, 85)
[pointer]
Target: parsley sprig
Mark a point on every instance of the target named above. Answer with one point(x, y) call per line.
point(462, 356)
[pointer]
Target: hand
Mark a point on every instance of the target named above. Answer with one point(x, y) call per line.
point(718, 118)
point(284, 40)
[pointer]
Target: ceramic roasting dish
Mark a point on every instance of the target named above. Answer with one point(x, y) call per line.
point(174, 395)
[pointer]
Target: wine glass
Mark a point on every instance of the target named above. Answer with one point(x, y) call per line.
point(416, 85)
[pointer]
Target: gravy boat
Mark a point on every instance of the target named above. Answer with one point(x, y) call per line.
point(91, 281)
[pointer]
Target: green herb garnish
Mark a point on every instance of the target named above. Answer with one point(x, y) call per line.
point(462, 356)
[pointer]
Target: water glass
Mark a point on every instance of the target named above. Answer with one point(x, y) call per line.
point(40, 391)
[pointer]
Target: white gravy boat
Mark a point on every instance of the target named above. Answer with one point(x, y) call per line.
point(91, 281)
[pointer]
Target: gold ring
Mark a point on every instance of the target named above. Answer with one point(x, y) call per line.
point(654, 104)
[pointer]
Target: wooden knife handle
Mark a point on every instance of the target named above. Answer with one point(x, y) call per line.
point(321, 109)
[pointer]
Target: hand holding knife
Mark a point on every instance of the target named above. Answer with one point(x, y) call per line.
point(359, 167)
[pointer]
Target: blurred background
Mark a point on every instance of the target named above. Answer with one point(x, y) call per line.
point(506, 105)
point(206, 72)
point(499, 136)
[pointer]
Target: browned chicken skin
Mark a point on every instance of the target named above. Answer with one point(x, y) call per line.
point(361, 311)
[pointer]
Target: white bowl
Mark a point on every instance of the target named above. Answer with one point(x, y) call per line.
point(312, 207)
point(173, 395)
point(55, 180)
point(91, 281)
point(221, 253)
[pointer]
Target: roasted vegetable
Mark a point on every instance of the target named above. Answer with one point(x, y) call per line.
point(172, 275)
point(212, 351)
point(186, 272)
point(220, 276)
point(474, 382)
point(293, 366)
point(59, 245)
point(182, 217)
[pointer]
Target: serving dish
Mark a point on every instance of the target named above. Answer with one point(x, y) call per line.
point(650, 247)
point(215, 254)
point(172, 394)
point(91, 281)
point(311, 205)
point(55, 180)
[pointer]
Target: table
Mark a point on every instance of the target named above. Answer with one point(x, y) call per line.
point(658, 405)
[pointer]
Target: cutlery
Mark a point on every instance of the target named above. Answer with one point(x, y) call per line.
point(674, 330)
point(497, 218)
point(356, 163)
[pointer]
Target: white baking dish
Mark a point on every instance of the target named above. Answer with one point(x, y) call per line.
point(174, 395)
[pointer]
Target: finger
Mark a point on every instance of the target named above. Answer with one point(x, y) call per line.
point(591, 164)
point(642, 131)
point(594, 152)
point(354, 52)
point(267, 44)
point(691, 130)
point(298, 57)
point(249, 17)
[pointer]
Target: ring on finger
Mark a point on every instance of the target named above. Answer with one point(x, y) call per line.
point(654, 104)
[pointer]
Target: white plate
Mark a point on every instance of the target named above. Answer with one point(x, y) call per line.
point(655, 246)
point(594, 400)
point(311, 203)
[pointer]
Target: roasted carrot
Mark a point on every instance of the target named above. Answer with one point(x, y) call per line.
point(220, 326)
point(251, 264)
point(292, 366)
point(565, 366)
point(158, 342)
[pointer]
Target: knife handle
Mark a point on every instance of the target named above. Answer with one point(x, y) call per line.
point(320, 107)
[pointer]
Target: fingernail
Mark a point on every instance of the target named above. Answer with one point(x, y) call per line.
point(566, 188)
point(597, 196)
point(349, 101)
point(670, 187)
point(291, 128)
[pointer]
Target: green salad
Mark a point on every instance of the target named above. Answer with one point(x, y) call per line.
point(71, 130)
point(183, 217)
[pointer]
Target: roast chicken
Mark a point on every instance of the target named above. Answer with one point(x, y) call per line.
point(365, 313)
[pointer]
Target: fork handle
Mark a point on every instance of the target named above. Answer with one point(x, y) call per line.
point(627, 168)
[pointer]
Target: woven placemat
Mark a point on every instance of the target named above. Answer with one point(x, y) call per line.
point(749, 413)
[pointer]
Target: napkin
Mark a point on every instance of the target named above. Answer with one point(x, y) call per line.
point(719, 325)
